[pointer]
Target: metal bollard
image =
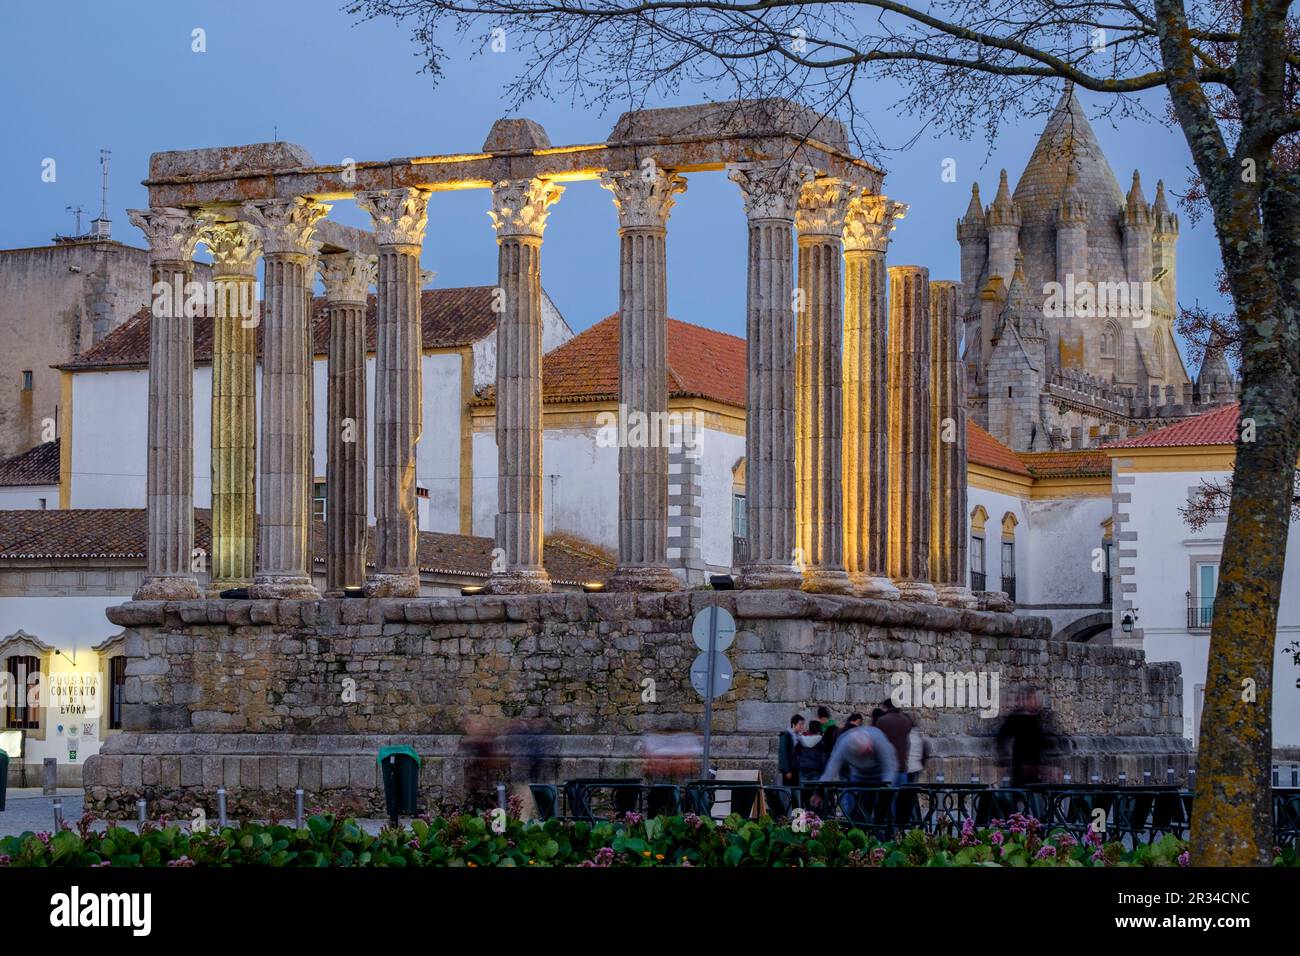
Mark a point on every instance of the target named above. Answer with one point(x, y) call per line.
point(938, 778)
point(58, 814)
point(1191, 778)
point(1170, 776)
point(502, 802)
point(1123, 778)
point(49, 776)
point(297, 809)
point(142, 811)
point(221, 806)
point(1146, 778)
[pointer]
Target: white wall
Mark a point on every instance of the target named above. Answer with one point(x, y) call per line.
point(28, 497)
point(110, 411)
point(1161, 573)
point(719, 453)
point(997, 504)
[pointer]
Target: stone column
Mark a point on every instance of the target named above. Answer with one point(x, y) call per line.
point(909, 433)
point(235, 250)
point(172, 235)
point(284, 527)
point(771, 192)
point(644, 198)
point(948, 538)
point(400, 216)
point(519, 211)
point(819, 219)
point(347, 276)
point(866, 422)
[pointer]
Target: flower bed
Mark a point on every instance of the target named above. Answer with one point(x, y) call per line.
point(495, 840)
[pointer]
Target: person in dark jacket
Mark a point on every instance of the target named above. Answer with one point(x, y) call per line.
point(787, 752)
point(1023, 731)
point(829, 730)
point(811, 757)
point(896, 725)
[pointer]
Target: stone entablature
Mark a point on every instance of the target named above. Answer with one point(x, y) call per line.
point(249, 694)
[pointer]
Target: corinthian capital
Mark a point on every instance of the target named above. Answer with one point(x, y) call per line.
point(172, 234)
point(644, 196)
point(770, 190)
point(399, 215)
point(235, 247)
point(869, 222)
point(823, 204)
point(519, 206)
point(286, 225)
point(347, 276)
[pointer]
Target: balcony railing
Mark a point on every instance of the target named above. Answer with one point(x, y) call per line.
point(977, 582)
point(1009, 586)
point(739, 550)
point(1200, 613)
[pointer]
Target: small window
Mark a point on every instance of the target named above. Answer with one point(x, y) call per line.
point(977, 579)
point(27, 380)
point(40, 503)
point(318, 501)
point(739, 516)
point(1009, 568)
point(24, 684)
point(116, 685)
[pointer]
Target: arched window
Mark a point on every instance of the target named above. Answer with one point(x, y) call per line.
point(978, 519)
point(1009, 554)
point(739, 515)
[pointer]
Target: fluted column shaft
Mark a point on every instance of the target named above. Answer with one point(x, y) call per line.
point(347, 277)
point(400, 217)
point(519, 216)
point(172, 235)
point(818, 386)
point(644, 199)
point(866, 421)
point(771, 192)
point(235, 250)
point(286, 471)
point(909, 432)
point(947, 448)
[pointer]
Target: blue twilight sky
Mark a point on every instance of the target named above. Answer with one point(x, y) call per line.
point(78, 76)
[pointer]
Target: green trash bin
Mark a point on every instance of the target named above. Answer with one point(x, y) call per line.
point(400, 765)
point(4, 777)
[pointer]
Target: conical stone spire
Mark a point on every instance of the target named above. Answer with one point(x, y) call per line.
point(973, 225)
point(1165, 221)
point(1136, 210)
point(1003, 211)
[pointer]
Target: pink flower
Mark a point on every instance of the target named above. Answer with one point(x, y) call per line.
point(1046, 853)
point(1184, 858)
point(997, 838)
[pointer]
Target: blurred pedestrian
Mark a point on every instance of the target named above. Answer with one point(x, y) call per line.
point(865, 755)
point(812, 757)
point(1022, 733)
point(787, 752)
point(897, 726)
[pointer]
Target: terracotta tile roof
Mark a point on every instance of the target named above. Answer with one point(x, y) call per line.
point(1076, 463)
point(450, 318)
point(1217, 427)
point(983, 449)
point(120, 533)
point(701, 363)
point(36, 466)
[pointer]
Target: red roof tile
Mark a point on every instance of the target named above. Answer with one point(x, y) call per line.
point(983, 449)
point(1217, 427)
point(36, 466)
point(1075, 463)
point(450, 318)
point(121, 532)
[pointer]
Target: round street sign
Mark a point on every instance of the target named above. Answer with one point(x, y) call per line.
point(721, 674)
point(726, 629)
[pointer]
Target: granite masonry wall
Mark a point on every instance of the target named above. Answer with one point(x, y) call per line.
point(266, 696)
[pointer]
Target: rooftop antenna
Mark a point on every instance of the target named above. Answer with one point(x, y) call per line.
point(76, 211)
point(102, 228)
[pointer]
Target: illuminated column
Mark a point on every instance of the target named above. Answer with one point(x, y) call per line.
point(819, 219)
point(771, 192)
point(347, 276)
point(866, 422)
point(400, 217)
point(909, 433)
point(644, 198)
point(947, 448)
point(519, 211)
point(172, 235)
point(284, 482)
point(235, 250)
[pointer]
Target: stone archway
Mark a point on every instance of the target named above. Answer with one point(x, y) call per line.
point(1085, 628)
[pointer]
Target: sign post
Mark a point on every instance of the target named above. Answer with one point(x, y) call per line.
point(713, 631)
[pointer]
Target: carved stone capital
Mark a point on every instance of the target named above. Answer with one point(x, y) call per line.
point(235, 247)
point(399, 215)
point(347, 275)
point(286, 225)
point(870, 220)
point(823, 204)
point(644, 196)
point(519, 206)
point(770, 190)
point(171, 233)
